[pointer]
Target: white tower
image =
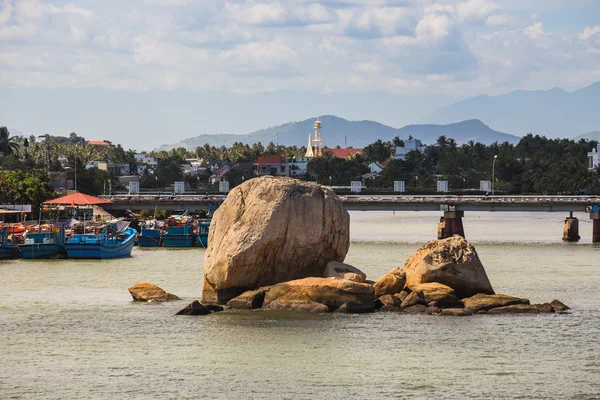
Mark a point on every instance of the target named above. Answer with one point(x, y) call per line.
point(317, 141)
point(309, 149)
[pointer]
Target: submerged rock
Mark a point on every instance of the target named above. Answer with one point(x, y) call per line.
point(194, 308)
point(336, 269)
point(144, 291)
point(321, 295)
point(415, 309)
point(271, 230)
point(452, 262)
point(391, 283)
point(545, 308)
point(486, 302)
point(249, 300)
point(456, 312)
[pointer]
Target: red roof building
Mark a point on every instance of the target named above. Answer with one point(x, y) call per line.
point(343, 153)
point(271, 165)
point(98, 143)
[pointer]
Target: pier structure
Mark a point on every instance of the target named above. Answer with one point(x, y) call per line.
point(453, 208)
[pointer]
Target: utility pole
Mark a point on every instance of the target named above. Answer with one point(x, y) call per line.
point(493, 172)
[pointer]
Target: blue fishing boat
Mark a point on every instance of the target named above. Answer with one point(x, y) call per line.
point(103, 245)
point(179, 236)
point(202, 232)
point(43, 245)
point(149, 237)
point(7, 248)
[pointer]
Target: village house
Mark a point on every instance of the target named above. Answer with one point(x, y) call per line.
point(409, 145)
point(271, 165)
point(594, 158)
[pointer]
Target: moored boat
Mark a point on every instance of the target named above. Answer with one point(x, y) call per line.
point(43, 245)
point(101, 246)
point(202, 232)
point(8, 249)
point(179, 236)
point(149, 237)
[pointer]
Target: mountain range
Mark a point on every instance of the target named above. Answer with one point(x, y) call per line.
point(553, 113)
point(338, 131)
point(595, 135)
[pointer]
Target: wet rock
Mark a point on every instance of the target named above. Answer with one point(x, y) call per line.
point(390, 309)
point(486, 302)
point(515, 309)
point(391, 283)
point(320, 295)
point(402, 295)
point(389, 300)
point(545, 308)
point(558, 306)
point(433, 310)
point(432, 304)
point(144, 291)
point(456, 312)
point(194, 308)
point(452, 262)
point(271, 230)
point(412, 299)
point(249, 300)
point(416, 309)
point(444, 296)
point(336, 269)
point(355, 308)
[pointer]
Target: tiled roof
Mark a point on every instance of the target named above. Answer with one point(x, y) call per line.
point(344, 153)
point(274, 159)
point(98, 143)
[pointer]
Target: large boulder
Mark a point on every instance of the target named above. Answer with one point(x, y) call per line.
point(391, 283)
point(321, 295)
point(486, 302)
point(452, 262)
point(194, 308)
point(336, 269)
point(249, 300)
point(515, 309)
point(144, 291)
point(443, 295)
point(271, 230)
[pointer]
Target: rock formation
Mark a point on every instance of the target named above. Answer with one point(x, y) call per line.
point(336, 269)
point(320, 295)
point(144, 291)
point(391, 283)
point(452, 262)
point(271, 230)
point(488, 301)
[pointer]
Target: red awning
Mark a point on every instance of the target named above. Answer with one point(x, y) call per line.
point(78, 199)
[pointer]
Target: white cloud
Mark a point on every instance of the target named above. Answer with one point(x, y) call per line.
point(475, 9)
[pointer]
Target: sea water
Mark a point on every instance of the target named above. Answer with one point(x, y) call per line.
point(69, 329)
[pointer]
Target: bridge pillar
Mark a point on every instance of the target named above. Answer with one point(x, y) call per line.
point(595, 217)
point(571, 229)
point(452, 224)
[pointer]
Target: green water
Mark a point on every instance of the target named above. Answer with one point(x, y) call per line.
point(69, 330)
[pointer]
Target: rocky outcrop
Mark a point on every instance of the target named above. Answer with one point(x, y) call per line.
point(194, 308)
point(558, 306)
point(486, 302)
point(456, 312)
point(336, 269)
point(321, 295)
point(412, 299)
point(443, 296)
point(249, 300)
point(515, 309)
point(271, 230)
point(144, 291)
point(391, 283)
point(452, 262)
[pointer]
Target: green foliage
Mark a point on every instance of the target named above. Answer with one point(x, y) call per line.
point(19, 187)
point(8, 145)
point(91, 181)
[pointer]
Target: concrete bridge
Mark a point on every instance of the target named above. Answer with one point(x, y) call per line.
point(452, 207)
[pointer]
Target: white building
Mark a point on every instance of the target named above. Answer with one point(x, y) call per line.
point(409, 145)
point(298, 166)
point(594, 158)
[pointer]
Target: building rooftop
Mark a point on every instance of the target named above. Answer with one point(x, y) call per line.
point(272, 159)
point(98, 143)
point(343, 153)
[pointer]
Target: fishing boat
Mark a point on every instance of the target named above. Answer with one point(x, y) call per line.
point(202, 232)
point(149, 237)
point(8, 249)
point(179, 236)
point(108, 244)
point(43, 245)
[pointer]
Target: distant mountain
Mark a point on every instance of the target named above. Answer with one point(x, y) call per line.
point(358, 134)
point(553, 113)
point(595, 135)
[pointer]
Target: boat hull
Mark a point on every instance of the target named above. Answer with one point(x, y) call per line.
point(41, 250)
point(178, 240)
point(8, 251)
point(110, 249)
point(202, 240)
point(149, 238)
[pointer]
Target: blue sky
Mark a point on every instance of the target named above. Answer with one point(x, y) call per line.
point(146, 72)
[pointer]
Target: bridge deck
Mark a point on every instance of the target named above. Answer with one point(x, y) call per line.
point(381, 203)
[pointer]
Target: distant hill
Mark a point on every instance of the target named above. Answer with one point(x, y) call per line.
point(338, 131)
point(553, 113)
point(595, 135)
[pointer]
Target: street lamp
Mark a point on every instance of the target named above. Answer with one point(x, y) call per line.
point(493, 172)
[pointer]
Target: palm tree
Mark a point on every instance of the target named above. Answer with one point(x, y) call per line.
point(8, 146)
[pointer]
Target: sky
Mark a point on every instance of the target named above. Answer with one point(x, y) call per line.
point(147, 72)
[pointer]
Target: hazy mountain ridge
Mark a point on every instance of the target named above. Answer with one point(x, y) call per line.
point(552, 113)
point(595, 135)
point(358, 134)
